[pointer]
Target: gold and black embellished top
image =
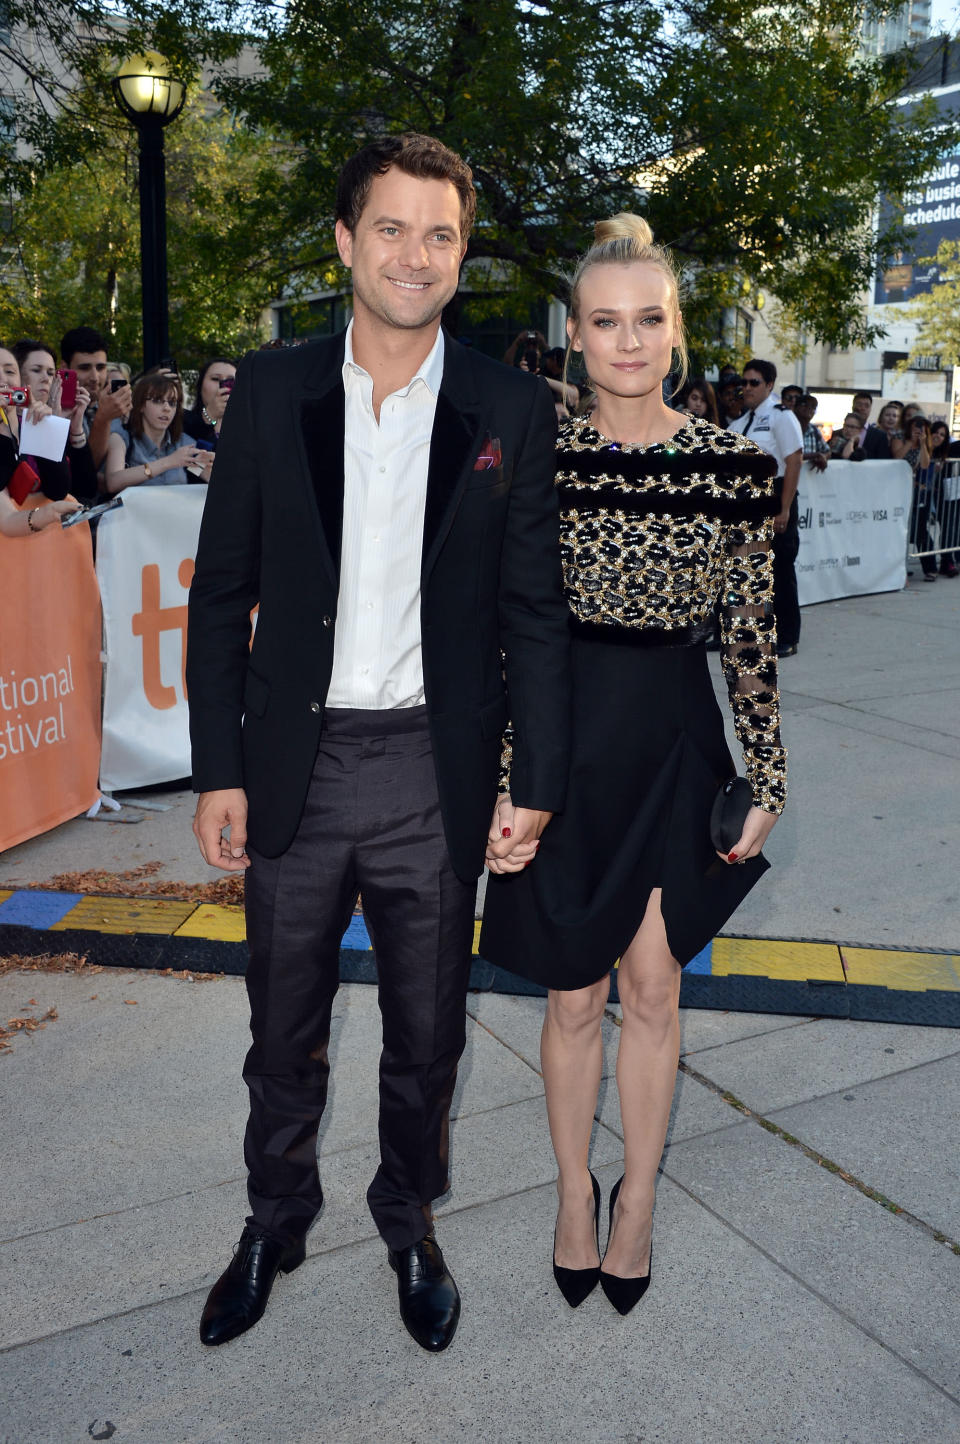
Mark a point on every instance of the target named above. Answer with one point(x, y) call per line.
point(653, 536)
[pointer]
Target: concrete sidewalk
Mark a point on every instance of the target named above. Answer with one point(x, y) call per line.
point(788, 1304)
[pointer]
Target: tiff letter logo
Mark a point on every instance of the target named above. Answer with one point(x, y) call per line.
point(153, 619)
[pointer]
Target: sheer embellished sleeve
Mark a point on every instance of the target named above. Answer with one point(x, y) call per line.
point(748, 641)
point(506, 758)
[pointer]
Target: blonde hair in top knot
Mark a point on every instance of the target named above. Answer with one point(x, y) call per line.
point(618, 241)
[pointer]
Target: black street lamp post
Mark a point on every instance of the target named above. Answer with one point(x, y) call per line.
point(148, 95)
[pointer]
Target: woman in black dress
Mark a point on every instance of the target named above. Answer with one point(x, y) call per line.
point(659, 521)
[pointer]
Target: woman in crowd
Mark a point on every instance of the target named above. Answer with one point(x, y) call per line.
point(698, 399)
point(845, 443)
point(158, 451)
point(917, 449)
point(53, 500)
point(214, 385)
point(660, 518)
point(38, 371)
point(882, 442)
point(949, 487)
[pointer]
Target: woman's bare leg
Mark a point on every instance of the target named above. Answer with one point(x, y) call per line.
point(571, 1056)
point(648, 980)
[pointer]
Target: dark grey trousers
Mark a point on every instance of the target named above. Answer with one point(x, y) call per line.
point(371, 824)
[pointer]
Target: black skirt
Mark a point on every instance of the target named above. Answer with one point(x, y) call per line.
point(649, 754)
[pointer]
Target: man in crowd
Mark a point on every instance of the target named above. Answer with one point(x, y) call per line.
point(388, 497)
point(861, 407)
point(730, 397)
point(789, 396)
point(85, 351)
point(778, 433)
point(815, 449)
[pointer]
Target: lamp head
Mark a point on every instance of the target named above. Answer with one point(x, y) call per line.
point(145, 90)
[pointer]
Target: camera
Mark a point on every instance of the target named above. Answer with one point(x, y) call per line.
point(15, 396)
point(117, 383)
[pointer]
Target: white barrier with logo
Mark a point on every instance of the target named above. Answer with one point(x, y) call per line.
point(853, 529)
point(145, 560)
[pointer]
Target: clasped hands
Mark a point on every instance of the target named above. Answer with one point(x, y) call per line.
point(514, 836)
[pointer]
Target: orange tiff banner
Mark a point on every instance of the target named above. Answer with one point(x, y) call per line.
point(49, 681)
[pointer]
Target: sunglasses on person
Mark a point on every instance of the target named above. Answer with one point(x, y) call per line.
point(751, 381)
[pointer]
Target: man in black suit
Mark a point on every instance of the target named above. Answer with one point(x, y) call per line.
point(386, 497)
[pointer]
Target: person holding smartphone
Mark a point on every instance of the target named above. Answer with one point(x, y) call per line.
point(158, 451)
point(214, 385)
point(62, 393)
point(18, 478)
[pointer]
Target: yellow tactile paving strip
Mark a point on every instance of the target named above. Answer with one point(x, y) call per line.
point(772, 959)
point(911, 972)
point(769, 958)
point(125, 915)
point(221, 924)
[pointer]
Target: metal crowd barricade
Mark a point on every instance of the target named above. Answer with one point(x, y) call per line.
point(935, 513)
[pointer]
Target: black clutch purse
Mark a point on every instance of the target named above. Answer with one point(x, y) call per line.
point(729, 812)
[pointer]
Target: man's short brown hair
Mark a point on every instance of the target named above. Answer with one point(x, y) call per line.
point(416, 155)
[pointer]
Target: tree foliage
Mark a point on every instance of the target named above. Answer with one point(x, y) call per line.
point(72, 254)
point(936, 313)
point(756, 139)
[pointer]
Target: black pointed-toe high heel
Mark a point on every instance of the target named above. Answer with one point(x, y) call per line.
point(623, 1293)
point(576, 1284)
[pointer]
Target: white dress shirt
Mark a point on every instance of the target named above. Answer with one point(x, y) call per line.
point(376, 655)
point(775, 432)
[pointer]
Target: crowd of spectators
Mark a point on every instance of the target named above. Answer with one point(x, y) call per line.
point(122, 431)
point(126, 431)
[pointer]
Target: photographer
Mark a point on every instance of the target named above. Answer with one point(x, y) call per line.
point(158, 452)
point(214, 385)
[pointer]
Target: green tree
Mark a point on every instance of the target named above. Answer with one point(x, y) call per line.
point(72, 252)
point(936, 312)
point(757, 140)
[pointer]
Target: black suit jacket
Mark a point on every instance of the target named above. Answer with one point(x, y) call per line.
point(490, 579)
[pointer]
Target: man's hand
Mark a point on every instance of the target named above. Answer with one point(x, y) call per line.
point(217, 811)
point(113, 404)
point(780, 521)
point(512, 841)
point(756, 829)
point(818, 460)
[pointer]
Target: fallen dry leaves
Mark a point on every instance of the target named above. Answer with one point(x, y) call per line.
point(47, 963)
point(24, 1025)
point(142, 882)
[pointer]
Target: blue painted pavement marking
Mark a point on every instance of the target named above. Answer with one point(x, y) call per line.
point(38, 909)
point(702, 963)
point(356, 936)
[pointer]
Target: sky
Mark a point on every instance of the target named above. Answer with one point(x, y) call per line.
point(944, 16)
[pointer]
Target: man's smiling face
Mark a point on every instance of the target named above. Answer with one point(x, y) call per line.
point(405, 251)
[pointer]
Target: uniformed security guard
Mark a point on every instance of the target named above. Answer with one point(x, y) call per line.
point(778, 432)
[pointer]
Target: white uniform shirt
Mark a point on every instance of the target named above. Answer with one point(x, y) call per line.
point(376, 655)
point(776, 432)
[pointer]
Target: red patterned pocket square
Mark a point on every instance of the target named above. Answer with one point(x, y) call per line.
point(490, 454)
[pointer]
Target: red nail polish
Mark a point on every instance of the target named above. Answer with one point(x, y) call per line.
point(731, 857)
point(506, 832)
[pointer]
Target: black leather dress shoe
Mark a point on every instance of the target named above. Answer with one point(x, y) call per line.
point(238, 1298)
point(429, 1298)
point(788, 651)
